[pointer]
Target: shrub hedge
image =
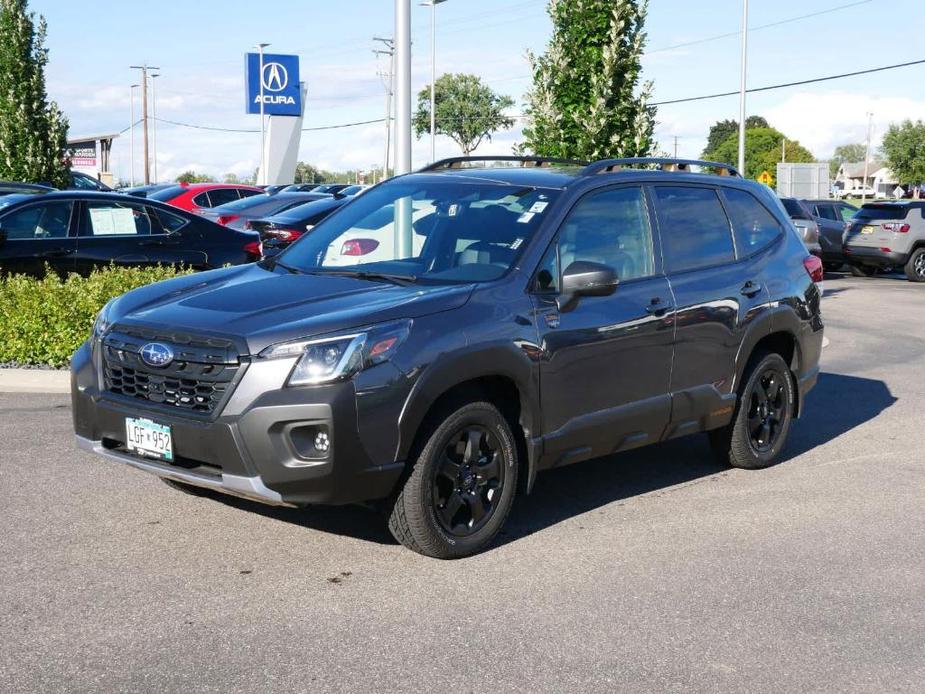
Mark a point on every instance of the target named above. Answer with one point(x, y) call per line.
point(43, 321)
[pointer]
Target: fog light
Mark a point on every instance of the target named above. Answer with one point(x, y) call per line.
point(322, 443)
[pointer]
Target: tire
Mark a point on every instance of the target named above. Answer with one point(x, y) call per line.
point(190, 489)
point(739, 444)
point(447, 508)
point(915, 266)
point(863, 270)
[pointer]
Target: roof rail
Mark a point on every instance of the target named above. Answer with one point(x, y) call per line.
point(525, 161)
point(663, 163)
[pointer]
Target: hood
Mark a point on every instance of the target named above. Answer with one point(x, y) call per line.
point(264, 307)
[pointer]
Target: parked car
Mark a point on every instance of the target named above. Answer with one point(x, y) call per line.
point(82, 181)
point(146, 190)
point(350, 191)
point(12, 187)
point(328, 188)
point(554, 314)
point(865, 191)
point(278, 231)
point(272, 189)
point(887, 234)
point(240, 214)
point(301, 188)
point(831, 218)
point(803, 220)
point(196, 197)
point(77, 231)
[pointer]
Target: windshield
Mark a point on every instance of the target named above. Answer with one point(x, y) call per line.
point(882, 212)
point(164, 194)
point(439, 231)
point(243, 203)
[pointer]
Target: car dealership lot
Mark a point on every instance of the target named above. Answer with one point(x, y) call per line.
point(656, 570)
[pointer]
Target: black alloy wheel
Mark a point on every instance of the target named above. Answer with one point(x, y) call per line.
point(469, 481)
point(767, 410)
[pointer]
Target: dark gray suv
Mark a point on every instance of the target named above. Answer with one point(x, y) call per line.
point(439, 340)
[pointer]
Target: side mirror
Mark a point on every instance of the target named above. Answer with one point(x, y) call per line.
point(585, 278)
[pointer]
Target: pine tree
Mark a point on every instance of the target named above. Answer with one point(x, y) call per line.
point(33, 132)
point(584, 102)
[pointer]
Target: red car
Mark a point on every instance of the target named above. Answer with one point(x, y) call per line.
point(196, 197)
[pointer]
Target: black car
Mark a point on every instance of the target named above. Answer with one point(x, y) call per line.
point(511, 319)
point(82, 181)
point(145, 191)
point(74, 231)
point(12, 187)
point(299, 188)
point(803, 220)
point(831, 217)
point(278, 231)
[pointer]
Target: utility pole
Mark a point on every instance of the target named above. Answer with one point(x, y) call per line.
point(870, 123)
point(389, 82)
point(433, 75)
point(154, 118)
point(675, 146)
point(783, 150)
point(742, 88)
point(131, 93)
point(144, 115)
point(262, 172)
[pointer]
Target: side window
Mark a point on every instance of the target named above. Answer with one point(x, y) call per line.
point(612, 228)
point(847, 212)
point(826, 212)
point(116, 219)
point(547, 275)
point(49, 221)
point(245, 193)
point(202, 200)
point(755, 227)
point(220, 196)
point(169, 222)
point(694, 228)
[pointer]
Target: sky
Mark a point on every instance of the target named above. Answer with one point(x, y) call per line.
point(693, 48)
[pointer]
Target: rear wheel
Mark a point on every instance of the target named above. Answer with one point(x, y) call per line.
point(863, 270)
point(915, 266)
point(461, 487)
point(763, 415)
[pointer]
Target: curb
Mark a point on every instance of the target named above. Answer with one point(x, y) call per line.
point(34, 381)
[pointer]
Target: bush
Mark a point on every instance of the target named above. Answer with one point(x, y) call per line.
point(43, 321)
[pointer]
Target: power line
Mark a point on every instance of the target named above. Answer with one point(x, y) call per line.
point(789, 84)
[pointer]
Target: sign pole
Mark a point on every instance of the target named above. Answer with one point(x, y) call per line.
point(262, 173)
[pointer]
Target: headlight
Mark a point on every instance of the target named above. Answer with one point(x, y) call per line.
point(328, 359)
point(101, 324)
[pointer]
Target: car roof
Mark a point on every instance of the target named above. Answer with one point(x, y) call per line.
point(211, 186)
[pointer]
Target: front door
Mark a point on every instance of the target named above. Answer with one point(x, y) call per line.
point(606, 360)
point(38, 236)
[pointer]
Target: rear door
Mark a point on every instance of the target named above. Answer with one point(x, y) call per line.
point(716, 296)
point(37, 235)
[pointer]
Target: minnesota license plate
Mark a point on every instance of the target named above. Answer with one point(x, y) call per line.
point(868, 229)
point(149, 438)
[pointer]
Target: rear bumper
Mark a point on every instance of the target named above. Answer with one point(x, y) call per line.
point(869, 255)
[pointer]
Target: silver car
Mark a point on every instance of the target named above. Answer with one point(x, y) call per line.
point(240, 213)
point(887, 234)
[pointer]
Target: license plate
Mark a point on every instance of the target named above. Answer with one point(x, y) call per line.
point(149, 438)
point(868, 229)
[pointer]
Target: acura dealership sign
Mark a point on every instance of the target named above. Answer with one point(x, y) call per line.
point(281, 93)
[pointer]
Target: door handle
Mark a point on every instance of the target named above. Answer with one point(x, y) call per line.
point(750, 289)
point(657, 307)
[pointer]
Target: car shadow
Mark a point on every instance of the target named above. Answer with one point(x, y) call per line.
point(837, 404)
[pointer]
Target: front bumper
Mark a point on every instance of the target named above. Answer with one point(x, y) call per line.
point(260, 445)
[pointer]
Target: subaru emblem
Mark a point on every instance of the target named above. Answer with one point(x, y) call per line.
point(156, 354)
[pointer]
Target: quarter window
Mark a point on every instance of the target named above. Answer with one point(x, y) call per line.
point(116, 219)
point(755, 228)
point(694, 228)
point(48, 221)
point(169, 222)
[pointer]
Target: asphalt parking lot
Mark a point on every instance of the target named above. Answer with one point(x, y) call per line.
point(653, 571)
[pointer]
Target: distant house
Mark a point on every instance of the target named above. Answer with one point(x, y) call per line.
point(850, 177)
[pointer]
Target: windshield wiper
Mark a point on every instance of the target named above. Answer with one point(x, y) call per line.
point(371, 275)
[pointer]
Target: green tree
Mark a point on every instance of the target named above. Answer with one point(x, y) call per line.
point(193, 177)
point(587, 101)
point(467, 110)
point(904, 150)
point(846, 153)
point(762, 151)
point(33, 131)
point(722, 129)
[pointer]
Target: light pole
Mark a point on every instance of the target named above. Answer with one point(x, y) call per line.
point(403, 247)
point(154, 118)
point(742, 88)
point(131, 97)
point(433, 75)
point(262, 174)
point(144, 113)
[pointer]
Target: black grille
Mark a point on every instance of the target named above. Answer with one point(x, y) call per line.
point(198, 379)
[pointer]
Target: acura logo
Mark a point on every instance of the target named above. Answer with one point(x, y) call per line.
point(156, 354)
point(275, 77)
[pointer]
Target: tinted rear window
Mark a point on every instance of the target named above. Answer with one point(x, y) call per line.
point(882, 212)
point(167, 193)
point(244, 203)
point(794, 209)
point(695, 230)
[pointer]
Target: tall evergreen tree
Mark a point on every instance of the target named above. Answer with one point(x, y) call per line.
point(33, 132)
point(587, 100)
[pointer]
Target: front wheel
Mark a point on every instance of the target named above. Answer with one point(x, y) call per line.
point(915, 266)
point(764, 412)
point(462, 485)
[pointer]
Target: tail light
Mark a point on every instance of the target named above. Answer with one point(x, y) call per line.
point(813, 265)
point(227, 219)
point(253, 248)
point(284, 234)
point(895, 227)
point(359, 247)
